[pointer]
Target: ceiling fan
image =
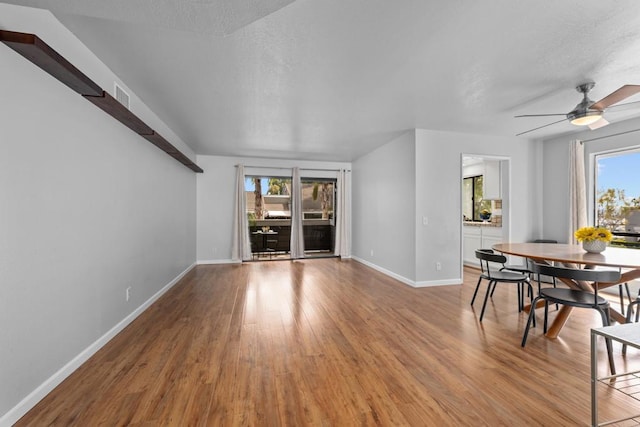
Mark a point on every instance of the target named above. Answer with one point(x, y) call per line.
point(587, 112)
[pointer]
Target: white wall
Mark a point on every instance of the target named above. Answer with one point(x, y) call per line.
point(438, 158)
point(87, 209)
point(556, 175)
point(215, 194)
point(422, 171)
point(384, 188)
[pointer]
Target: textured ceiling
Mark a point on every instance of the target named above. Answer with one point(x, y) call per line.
point(331, 80)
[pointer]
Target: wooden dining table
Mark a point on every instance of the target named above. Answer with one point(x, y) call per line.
point(625, 259)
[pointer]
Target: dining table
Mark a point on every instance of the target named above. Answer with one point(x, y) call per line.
point(626, 260)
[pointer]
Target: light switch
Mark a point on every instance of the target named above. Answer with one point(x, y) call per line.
point(425, 220)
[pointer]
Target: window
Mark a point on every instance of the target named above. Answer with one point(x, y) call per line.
point(317, 198)
point(617, 195)
point(472, 203)
point(268, 197)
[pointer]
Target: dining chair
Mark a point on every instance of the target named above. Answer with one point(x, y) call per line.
point(573, 297)
point(624, 287)
point(488, 258)
point(512, 268)
point(525, 268)
point(502, 267)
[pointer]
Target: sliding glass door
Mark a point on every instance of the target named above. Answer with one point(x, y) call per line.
point(268, 201)
point(318, 210)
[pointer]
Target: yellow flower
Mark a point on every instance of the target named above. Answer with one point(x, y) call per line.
point(589, 234)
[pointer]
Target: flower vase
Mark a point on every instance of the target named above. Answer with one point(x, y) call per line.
point(594, 246)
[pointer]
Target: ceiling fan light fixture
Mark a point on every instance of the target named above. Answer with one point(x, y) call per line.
point(587, 112)
point(584, 119)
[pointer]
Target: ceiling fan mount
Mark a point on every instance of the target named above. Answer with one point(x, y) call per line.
point(584, 88)
point(582, 114)
point(587, 112)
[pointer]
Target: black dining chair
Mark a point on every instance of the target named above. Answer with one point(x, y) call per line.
point(624, 287)
point(488, 258)
point(573, 297)
point(525, 268)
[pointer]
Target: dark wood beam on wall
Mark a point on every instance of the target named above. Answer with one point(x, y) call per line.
point(41, 54)
point(157, 140)
point(114, 108)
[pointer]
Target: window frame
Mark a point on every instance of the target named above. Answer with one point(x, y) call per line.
point(476, 207)
point(593, 185)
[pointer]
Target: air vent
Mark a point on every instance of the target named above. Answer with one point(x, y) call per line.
point(121, 96)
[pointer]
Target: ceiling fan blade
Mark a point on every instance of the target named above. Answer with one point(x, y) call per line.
point(540, 127)
point(599, 124)
point(624, 107)
point(615, 97)
point(539, 115)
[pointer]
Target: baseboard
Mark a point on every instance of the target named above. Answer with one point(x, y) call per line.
point(431, 283)
point(406, 281)
point(230, 261)
point(217, 261)
point(18, 411)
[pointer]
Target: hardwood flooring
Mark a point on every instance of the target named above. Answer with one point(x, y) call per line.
point(326, 342)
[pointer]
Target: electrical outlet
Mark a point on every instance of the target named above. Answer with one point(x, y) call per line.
point(128, 293)
point(438, 265)
point(371, 252)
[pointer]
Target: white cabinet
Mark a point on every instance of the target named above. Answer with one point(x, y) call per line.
point(492, 189)
point(471, 240)
point(478, 237)
point(491, 236)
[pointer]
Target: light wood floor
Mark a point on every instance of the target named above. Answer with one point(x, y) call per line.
point(330, 342)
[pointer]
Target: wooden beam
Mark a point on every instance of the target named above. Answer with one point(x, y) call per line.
point(157, 140)
point(115, 109)
point(186, 161)
point(42, 55)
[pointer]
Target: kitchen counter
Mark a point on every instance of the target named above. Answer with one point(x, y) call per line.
point(481, 224)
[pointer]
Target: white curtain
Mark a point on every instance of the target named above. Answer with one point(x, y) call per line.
point(343, 215)
point(297, 234)
point(577, 189)
point(241, 245)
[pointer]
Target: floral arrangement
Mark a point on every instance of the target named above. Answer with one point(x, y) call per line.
point(590, 234)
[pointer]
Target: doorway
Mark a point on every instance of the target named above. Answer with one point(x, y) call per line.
point(318, 216)
point(485, 204)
